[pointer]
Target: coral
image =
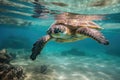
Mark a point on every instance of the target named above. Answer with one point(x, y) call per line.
point(8, 71)
point(4, 57)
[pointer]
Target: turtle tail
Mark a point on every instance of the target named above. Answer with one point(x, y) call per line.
point(93, 33)
point(38, 46)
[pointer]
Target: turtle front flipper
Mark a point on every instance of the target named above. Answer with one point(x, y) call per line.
point(93, 33)
point(38, 46)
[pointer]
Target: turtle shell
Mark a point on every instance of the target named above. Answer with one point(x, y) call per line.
point(76, 21)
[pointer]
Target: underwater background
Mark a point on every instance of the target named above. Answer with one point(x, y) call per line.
point(22, 22)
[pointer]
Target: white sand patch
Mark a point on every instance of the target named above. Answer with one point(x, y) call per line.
point(71, 67)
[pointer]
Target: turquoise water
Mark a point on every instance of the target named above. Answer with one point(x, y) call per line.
point(80, 60)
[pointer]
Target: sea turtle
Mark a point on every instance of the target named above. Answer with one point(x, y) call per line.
point(68, 29)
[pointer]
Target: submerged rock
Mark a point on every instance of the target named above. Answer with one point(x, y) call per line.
point(4, 57)
point(8, 71)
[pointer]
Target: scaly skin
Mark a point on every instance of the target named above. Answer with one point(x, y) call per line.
point(69, 30)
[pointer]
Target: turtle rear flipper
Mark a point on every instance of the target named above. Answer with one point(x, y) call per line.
point(38, 46)
point(93, 33)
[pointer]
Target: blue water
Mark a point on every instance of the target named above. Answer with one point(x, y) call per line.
point(81, 60)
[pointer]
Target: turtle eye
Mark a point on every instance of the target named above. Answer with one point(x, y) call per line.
point(56, 31)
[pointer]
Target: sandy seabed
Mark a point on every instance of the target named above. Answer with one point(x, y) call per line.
point(101, 67)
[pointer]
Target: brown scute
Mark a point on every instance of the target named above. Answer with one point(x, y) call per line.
point(77, 20)
point(59, 4)
point(81, 17)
